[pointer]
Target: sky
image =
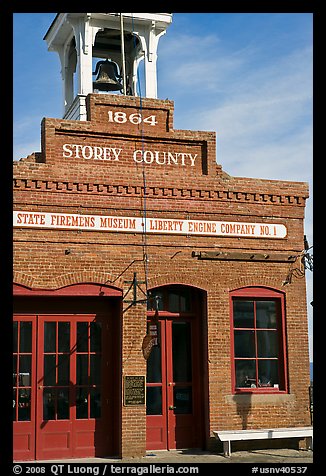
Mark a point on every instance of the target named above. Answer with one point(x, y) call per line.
point(246, 76)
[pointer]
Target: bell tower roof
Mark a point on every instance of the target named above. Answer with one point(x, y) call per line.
point(125, 39)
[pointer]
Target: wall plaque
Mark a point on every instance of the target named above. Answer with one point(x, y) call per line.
point(134, 390)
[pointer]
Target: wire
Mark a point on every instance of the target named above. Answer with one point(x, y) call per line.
point(143, 198)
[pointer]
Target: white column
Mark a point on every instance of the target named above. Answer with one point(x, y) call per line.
point(83, 37)
point(152, 38)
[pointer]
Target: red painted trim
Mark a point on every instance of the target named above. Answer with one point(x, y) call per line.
point(85, 289)
point(257, 292)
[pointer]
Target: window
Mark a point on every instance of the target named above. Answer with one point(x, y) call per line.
point(174, 298)
point(258, 340)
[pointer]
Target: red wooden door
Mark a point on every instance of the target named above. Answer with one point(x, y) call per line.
point(173, 389)
point(24, 372)
point(71, 409)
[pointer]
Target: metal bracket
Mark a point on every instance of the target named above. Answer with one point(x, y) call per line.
point(134, 285)
point(240, 256)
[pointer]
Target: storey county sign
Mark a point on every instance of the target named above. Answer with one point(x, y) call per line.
point(30, 219)
point(115, 154)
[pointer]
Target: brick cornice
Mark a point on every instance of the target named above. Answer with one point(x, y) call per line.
point(187, 192)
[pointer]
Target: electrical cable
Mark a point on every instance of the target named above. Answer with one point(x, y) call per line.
point(143, 198)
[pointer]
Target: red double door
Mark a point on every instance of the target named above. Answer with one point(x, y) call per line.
point(174, 397)
point(62, 369)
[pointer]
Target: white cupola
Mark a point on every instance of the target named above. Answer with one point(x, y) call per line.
point(101, 53)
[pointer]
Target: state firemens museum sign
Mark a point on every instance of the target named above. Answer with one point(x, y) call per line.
point(37, 219)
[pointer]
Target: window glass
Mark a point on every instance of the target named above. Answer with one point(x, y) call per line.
point(82, 369)
point(154, 401)
point(185, 300)
point(182, 400)
point(15, 336)
point(257, 338)
point(155, 301)
point(95, 330)
point(49, 404)
point(25, 337)
point(245, 373)
point(244, 344)
point(82, 336)
point(243, 314)
point(63, 336)
point(25, 370)
point(24, 404)
point(63, 369)
point(14, 404)
point(266, 314)
point(95, 369)
point(95, 397)
point(63, 404)
point(267, 345)
point(49, 370)
point(49, 337)
point(173, 303)
point(14, 371)
point(81, 403)
point(268, 373)
point(181, 352)
point(154, 369)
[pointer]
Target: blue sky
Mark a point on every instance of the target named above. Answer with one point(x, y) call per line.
point(246, 76)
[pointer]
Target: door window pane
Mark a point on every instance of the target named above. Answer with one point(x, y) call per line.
point(49, 404)
point(181, 352)
point(173, 304)
point(63, 336)
point(82, 369)
point(25, 337)
point(95, 369)
point(24, 404)
point(49, 337)
point(15, 336)
point(154, 401)
point(14, 404)
point(82, 336)
point(155, 301)
point(182, 400)
point(95, 397)
point(25, 370)
point(154, 369)
point(63, 369)
point(14, 371)
point(81, 403)
point(185, 300)
point(63, 404)
point(244, 344)
point(49, 370)
point(96, 334)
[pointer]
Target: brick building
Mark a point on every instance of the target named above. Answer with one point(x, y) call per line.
point(150, 293)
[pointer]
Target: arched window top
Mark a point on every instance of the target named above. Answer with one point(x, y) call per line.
point(256, 291)
point(81, 289)
point(174, 298)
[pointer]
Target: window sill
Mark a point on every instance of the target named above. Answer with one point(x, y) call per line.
point(253, 398)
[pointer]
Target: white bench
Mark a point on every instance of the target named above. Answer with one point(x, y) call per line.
point(269, 433)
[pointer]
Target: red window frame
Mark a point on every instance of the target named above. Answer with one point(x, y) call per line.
point(260, 294)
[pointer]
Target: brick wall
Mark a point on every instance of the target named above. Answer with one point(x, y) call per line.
point(49, 181)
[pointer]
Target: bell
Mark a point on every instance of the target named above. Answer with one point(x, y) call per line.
point(107, 76)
